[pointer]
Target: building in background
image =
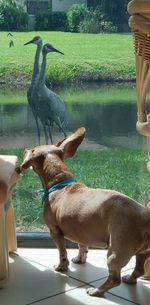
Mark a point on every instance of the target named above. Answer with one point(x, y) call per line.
point(32, 7)
point(64, 5)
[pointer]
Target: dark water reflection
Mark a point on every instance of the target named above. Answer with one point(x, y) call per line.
point(106, 123)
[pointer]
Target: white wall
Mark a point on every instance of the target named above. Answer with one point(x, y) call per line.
point(64, 5)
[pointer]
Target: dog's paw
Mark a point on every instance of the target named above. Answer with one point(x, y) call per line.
point(63, 266)
point(60, 268)
point(79, 259)
point(95, 292)
point(128, 279)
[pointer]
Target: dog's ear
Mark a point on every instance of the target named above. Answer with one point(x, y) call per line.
point(70, 144)
point(30, 157)
point(27, 160)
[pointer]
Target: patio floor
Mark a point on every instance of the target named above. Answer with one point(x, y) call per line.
point(34, 281)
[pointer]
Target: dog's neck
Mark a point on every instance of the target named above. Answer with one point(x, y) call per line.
point(52, 172)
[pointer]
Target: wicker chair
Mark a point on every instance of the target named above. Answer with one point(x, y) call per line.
point(8, 243)
point(140, 25)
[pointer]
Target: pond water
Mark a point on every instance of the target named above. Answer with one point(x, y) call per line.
point(107, 112)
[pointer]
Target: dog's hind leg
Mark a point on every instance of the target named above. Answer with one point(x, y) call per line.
point(58, 237)
point(138, 271)
point(82, 255)
point(116, 259)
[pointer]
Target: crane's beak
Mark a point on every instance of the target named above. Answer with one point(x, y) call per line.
point(55, 50)
point(31, 41)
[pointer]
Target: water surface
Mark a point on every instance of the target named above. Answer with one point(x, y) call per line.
point(107, 112)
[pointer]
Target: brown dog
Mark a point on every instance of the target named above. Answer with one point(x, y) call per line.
point(90, 217)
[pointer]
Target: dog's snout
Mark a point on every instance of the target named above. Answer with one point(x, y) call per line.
point(28, 153)
point(18, 170)
point(25, 152)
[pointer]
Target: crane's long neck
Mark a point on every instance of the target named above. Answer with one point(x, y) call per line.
point(41, 80)
point(36, 63)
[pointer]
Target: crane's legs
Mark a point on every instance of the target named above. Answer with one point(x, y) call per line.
point(58, 123)
point(29, 110)
point(37, 124)
point(38, 129)
point(45, 133)
point(50, 134)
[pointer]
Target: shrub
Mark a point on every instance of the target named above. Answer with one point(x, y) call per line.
point(88, 20)
point(12, 17)
point(108, 27)
point(53, 21)
point(91, 21)
point(59, 21)
point(89, 26)
point(75, 15)
point(95, 22)
point(42, 20)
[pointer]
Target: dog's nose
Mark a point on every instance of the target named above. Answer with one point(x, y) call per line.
point(18, 169)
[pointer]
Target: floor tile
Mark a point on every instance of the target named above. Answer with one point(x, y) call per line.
point(79, 296)
point(34, 281)
point(30, 281)
point(137, 294)
point(95, 267)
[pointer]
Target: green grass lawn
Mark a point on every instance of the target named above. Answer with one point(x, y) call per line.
point(121, 169)
point(87, 57)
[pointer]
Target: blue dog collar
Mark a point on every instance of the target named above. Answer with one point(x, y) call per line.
point(55, 187)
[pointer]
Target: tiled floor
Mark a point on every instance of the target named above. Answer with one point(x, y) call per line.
point(34, 281)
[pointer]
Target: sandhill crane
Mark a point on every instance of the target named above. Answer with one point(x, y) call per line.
point(49, 106)
point(37, 40)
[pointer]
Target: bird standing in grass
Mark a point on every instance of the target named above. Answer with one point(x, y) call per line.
point(50, 107)
point(46, 105)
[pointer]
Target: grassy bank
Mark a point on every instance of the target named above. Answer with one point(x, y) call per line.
point(98, 94)
point(119, 169)
point(88, 57)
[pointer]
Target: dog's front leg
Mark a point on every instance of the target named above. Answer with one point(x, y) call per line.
point(82, 255)
point(60, 243)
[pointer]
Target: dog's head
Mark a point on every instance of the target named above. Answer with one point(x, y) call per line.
point(64, 149)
